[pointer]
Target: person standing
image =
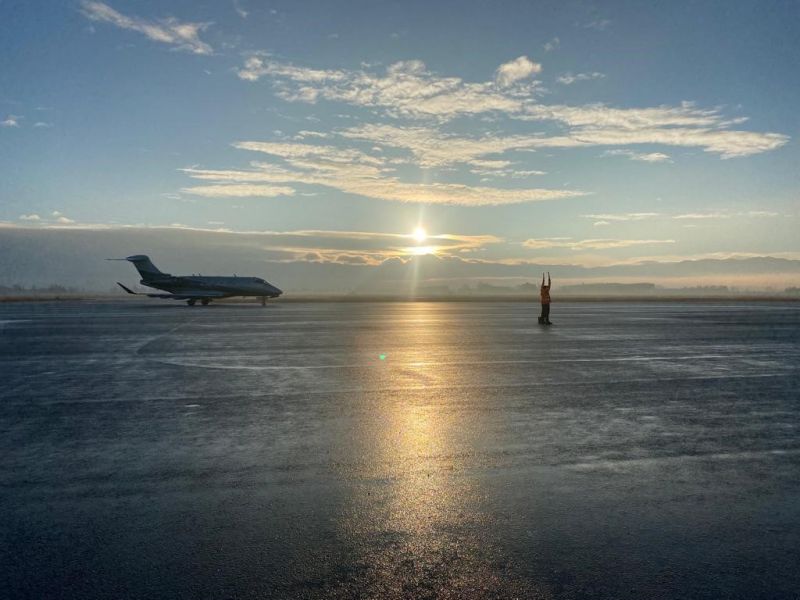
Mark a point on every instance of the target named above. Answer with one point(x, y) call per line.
point(544, 292)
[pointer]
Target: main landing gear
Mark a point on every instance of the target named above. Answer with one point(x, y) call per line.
point(263, 300)
point(203, 301)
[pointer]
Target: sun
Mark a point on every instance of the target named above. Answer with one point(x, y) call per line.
point(420, 235)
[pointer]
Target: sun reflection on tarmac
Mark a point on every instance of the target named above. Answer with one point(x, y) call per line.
point(416, 523)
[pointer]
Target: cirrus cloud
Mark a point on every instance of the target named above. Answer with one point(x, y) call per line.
point(594, 244)
point(181, 35)
point(238, 190)
point(405, 89)
point(409, 90)
point(352, 172)
point(569, 78)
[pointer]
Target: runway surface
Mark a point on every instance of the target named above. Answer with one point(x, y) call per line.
point(399, 450)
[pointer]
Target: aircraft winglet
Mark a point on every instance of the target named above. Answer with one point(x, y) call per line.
point(127, 289)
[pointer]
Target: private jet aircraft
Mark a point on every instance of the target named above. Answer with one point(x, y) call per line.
point(197, 287)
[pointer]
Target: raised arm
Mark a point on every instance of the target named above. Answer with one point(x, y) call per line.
point(542, 279)
point(548, 279)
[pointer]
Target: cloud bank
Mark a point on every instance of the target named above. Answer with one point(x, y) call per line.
point(337, 262)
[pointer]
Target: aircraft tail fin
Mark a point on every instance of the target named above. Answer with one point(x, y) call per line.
point(145, 266)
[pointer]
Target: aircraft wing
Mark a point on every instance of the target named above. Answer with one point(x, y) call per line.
point(184, 295)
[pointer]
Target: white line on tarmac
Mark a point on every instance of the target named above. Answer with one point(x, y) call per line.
point(201, 365)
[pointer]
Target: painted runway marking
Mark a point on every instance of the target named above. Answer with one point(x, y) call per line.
point(202, 365)
point(155, 338)
point(623, 462)
point(436, 388)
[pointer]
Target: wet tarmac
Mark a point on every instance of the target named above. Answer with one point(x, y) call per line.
point(399, 450)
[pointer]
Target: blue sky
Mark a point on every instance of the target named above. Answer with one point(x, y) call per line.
point(561, 133)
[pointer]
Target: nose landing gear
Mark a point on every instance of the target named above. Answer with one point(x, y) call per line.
point(263, 300)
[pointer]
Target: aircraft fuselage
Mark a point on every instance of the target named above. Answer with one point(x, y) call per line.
point(192, 288)
point(225, 286)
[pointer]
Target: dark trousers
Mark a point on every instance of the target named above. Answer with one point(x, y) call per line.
point(545, 316)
